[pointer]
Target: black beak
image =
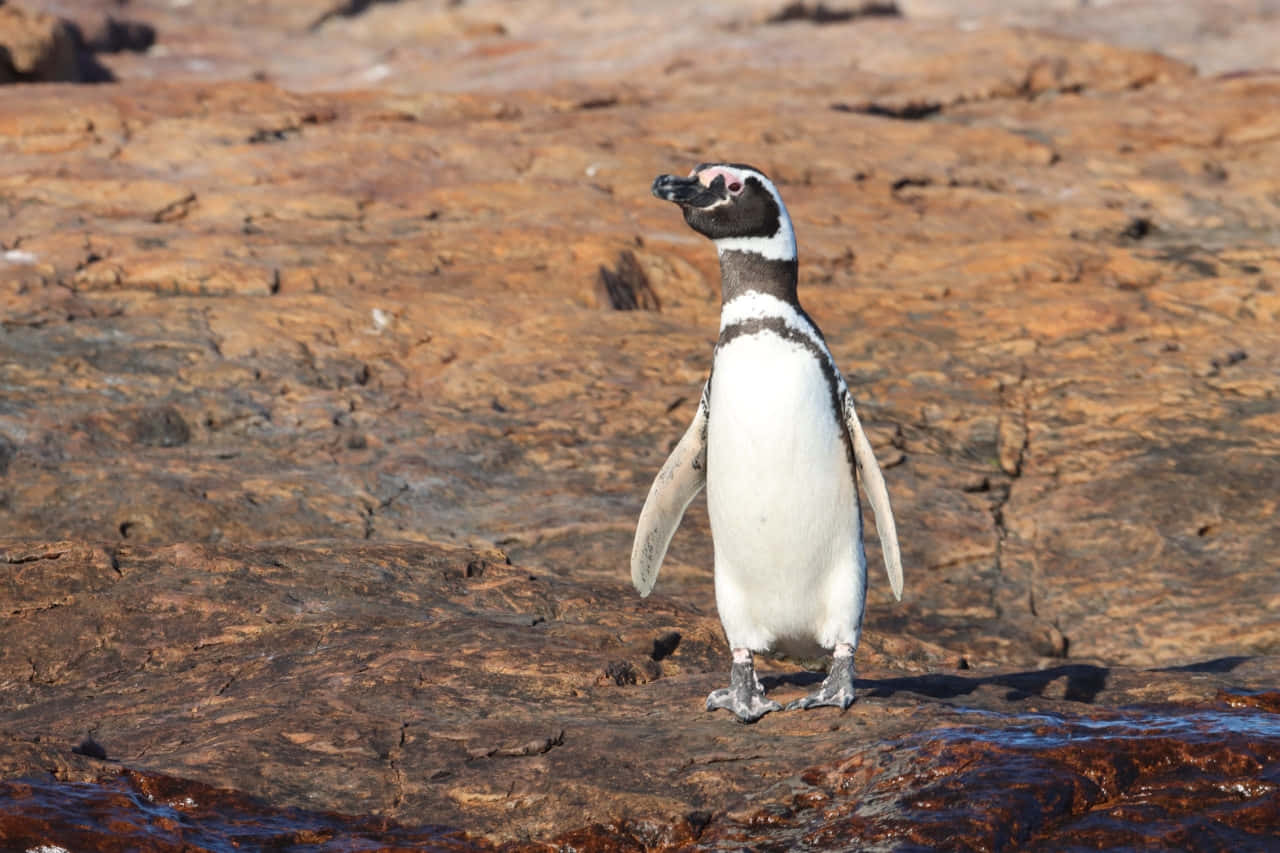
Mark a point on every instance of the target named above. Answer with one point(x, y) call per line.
point(689, 192)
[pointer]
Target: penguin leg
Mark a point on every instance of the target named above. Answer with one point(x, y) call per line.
point(744, 696)
point(837, 689)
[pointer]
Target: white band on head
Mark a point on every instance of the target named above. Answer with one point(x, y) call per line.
point(779, 246)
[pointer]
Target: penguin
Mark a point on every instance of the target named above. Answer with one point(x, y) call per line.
point(778, 445)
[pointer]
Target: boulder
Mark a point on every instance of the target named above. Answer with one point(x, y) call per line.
point(36, 48)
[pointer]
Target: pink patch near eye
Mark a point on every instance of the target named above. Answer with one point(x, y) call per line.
point(731, 180)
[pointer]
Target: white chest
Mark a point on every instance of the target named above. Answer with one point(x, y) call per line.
point(777, 467)
point(781, 499)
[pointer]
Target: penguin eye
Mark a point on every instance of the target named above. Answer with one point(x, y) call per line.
point(735, 187)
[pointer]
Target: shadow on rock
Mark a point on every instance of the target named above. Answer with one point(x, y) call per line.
point(1083, 682)
point(1226, 664)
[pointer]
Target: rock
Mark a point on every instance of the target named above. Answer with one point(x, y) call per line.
point(820, 13)
point(399, 680)
point(322, 442)
point(35, 48)
point(626, 287)
point(108, 34)
point(181, 814)
point(1040, 784)
point(161, 426)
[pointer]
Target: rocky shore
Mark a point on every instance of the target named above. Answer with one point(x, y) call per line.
point(339, 343)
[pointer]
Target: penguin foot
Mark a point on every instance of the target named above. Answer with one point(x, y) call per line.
point(835, 691)
point(744, 696)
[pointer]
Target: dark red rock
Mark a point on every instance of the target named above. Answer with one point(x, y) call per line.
point(148, 813)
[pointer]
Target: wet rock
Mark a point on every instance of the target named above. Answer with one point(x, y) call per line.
point(158, 814)
point(1041, 784)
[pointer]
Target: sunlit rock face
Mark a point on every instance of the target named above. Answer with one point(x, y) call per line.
point(323, 438)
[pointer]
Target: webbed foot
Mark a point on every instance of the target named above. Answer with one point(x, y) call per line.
point(744, 696)
point(836, 690)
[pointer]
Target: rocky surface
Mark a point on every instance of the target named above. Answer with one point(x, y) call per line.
point(425, 682)
point(35, 47)
point(321, 440)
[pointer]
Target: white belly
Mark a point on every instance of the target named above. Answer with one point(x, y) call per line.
point(781, 497)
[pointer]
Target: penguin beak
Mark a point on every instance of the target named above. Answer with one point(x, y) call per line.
point(689, 192)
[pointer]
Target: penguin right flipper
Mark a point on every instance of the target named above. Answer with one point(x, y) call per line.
point(681, 478)
point(877, 493)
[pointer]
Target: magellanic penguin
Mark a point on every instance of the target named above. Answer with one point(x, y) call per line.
point(778, 445)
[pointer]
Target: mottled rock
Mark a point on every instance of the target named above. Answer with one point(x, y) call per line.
point(442, 685)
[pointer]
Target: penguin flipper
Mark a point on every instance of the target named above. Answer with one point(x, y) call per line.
point(873, 483)
point(681, 478)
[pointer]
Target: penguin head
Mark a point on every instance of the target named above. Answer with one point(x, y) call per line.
point(735, 205)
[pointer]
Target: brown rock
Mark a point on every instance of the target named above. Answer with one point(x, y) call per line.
point(35, 48)
point(283, 368)
point(626, 287)
point(426, 683)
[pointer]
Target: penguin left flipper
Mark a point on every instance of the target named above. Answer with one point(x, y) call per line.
point(877, 493)
point(681, 478)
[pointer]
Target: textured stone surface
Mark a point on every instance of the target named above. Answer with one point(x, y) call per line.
point(288, 375)
point(421, 682)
